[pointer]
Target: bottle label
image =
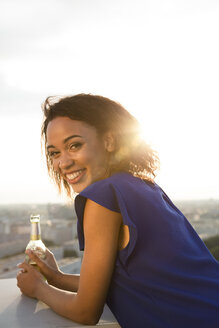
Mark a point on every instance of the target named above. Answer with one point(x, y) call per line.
point(35, 237)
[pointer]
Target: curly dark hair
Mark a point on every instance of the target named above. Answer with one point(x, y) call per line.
point(132, 154)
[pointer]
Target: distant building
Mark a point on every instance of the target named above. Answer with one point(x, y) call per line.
point(59, 231)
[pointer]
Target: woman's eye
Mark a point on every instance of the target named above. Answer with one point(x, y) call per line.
point(53, 153)
point(75, 146)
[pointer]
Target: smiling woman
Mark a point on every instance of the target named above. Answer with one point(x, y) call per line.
point(141, 255)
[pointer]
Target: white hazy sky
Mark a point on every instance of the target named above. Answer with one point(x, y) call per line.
point(158, 58)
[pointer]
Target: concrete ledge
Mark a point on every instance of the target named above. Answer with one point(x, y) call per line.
point(17, 311)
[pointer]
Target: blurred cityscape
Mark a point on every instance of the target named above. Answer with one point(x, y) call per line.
point(59, 231)
point(203, 216)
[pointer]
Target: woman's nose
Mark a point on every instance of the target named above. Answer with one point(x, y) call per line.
point(65, 162)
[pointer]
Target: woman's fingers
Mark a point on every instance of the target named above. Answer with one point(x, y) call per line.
point(24, 266)
point(48, 252)
point(50, 260)
point(43, 265)
point(34, 258)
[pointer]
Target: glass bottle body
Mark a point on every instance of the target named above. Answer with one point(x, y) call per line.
point(35, 244)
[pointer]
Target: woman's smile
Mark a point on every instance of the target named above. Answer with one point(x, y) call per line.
point(75, 176)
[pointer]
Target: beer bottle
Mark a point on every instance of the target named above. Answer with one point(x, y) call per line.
point(35, 244)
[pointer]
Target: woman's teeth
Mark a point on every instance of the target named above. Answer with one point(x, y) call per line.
point(73, 175)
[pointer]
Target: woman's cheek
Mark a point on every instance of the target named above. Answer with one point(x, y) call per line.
point(55, 164)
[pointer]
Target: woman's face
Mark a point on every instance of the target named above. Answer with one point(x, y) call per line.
point(77, 152)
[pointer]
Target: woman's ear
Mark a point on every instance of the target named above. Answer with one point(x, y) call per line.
point(109, 141)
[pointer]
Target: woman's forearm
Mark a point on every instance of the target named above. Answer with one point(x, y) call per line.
point(66, 281)
point(65, 303)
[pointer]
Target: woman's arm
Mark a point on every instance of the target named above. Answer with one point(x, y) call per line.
point(101, 232)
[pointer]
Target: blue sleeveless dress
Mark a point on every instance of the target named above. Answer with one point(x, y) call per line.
point(165, 277)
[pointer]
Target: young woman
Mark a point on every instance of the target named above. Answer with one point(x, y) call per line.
point(141, 255)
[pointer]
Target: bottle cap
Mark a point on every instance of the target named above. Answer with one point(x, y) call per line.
point(35, 218)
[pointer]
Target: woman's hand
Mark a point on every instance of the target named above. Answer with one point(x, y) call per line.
point(50, 260)
point(48, 267)
point(29, 280)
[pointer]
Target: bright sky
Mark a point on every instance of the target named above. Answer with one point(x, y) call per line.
point(158, 58)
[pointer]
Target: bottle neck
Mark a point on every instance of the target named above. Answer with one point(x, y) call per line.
point(35, 233)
